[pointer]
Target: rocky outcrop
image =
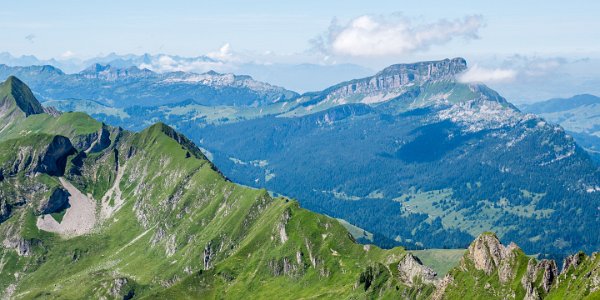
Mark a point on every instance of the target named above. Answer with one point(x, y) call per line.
point(50, 158)
point(397, 76)
point(572, 261)
point(283, 237)
point(411, 270)
point(539, 278)
point(58, 201)
point(51, 110)
point(53, 160)
point(207, 256)
point(441, 287)
point(94, 142)
point(5, 210)
point(489, 255)
point(20, 245)
point(284, 267)
point(121, 288)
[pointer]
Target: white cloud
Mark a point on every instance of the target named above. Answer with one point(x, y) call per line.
point(224, 54)
point(167, 63)
point(485, 75)
point(535, 65)
point(67, 54)
point(380, 36)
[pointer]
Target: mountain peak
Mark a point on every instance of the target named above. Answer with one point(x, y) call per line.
point(96, 68)
point(14, 92)
point(438, 69)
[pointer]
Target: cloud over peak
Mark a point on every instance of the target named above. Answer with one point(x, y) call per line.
point(476, 74)
point(396, 35)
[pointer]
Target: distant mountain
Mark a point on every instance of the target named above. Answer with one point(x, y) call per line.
point(299, 77)
point(123, 87)
point(421, 158)
point(579, 115)
point(410, 154)
point(101, 212)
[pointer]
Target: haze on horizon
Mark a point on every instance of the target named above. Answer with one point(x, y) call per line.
point(527, 51)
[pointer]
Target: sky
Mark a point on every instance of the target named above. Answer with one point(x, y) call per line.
point(507, 43)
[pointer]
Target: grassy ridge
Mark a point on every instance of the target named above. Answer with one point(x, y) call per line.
point(185, 230)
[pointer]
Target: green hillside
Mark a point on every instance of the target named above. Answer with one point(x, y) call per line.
point(163, 223)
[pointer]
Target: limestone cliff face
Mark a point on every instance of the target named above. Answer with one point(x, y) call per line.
point(489, 255)
point(93, 142)
point(48, 156)
point(53, 159)
point(411, 269)
point(401, 75)
point(531, 281)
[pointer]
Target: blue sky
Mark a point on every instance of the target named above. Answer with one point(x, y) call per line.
point(88, 28)
point(490, 34)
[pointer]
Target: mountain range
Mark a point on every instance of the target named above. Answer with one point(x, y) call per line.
point(579, 115)
point(89, 210)
point(412, 154)
point(304, 77)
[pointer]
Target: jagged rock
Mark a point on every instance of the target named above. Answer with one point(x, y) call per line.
point(489, 255)
point(411, 268)
point(51, 110)
point(283, 266)
point(93, 142)
point(441, 287)
point(548, 277)
point(58, 201)
point(281, 226)
point(530, 292)
point(5, 210)
point(121, 288)
point(207, 256)
point(22, 246)
point(572, 261)
point(158, 236)
point(171, 245)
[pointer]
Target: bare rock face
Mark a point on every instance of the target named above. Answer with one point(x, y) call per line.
point(53, 159)
point(94, 142)
point(411, 268)
point(22, 246)
point(51, 110)
point(5, 210)
point(121, 288)
point(572, 261)
point(549, 273)
point(281, 226)
point(489, 255)
point(595, 277)
point(58, 201)
point(441, 287)
point(207, 256)
point(396, 76)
